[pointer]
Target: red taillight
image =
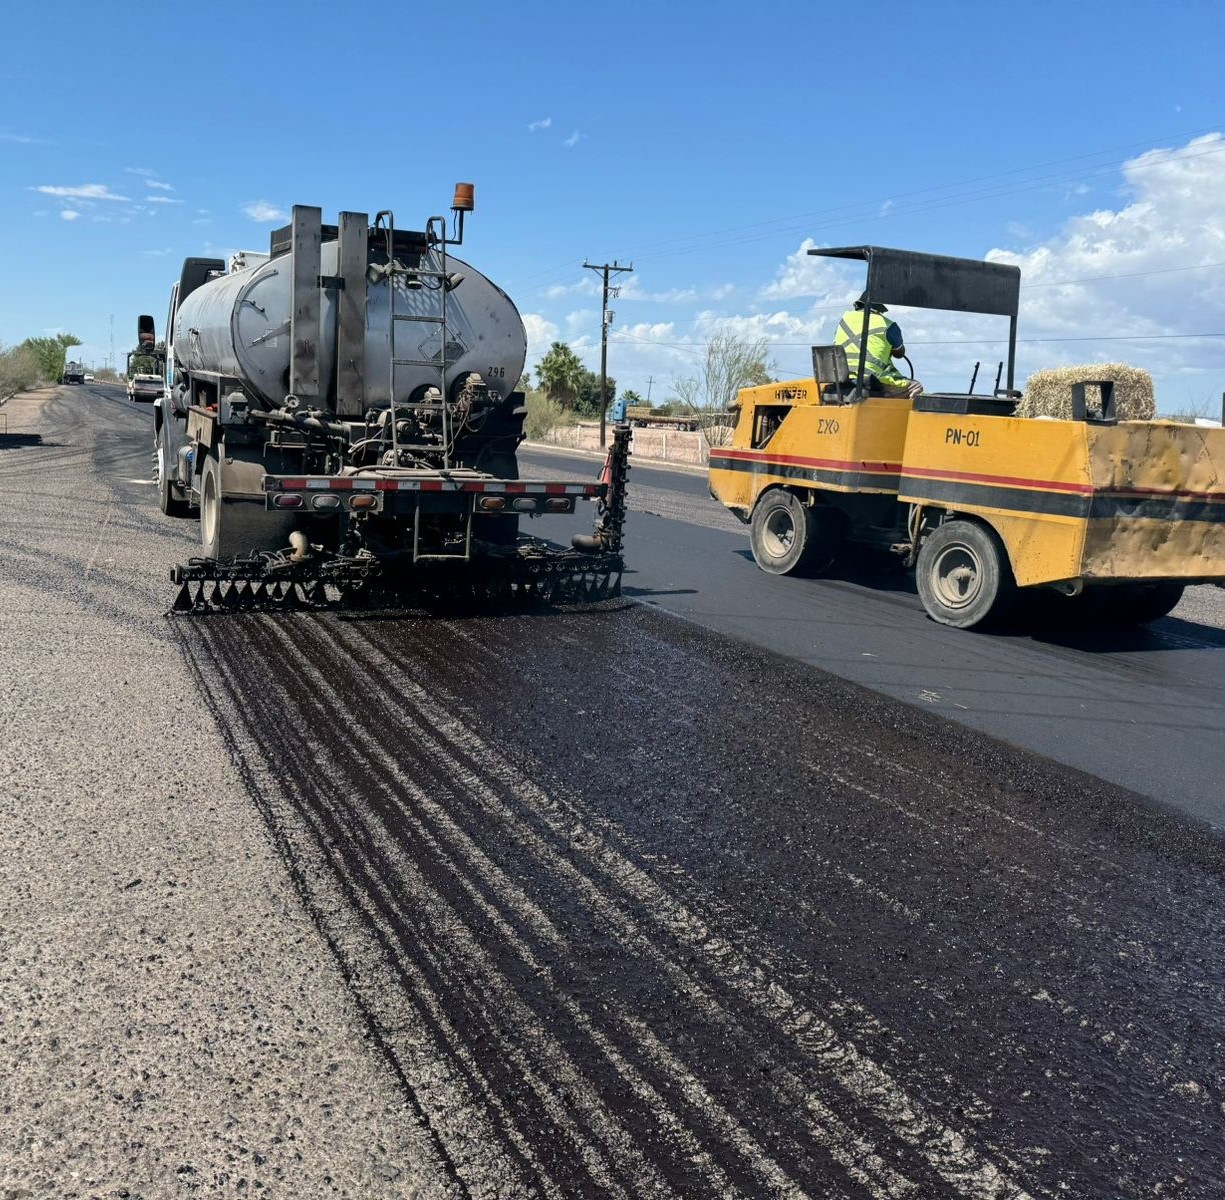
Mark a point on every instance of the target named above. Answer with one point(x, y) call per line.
point(287, 500)
point(559, 504)
point(491, 503)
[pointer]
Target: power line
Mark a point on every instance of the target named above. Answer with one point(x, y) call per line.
point(857, 218)
point(874, 204)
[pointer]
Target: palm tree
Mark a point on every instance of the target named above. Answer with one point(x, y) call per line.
point(560, 374)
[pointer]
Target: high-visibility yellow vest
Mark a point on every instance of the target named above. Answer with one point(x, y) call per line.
point(878, 354)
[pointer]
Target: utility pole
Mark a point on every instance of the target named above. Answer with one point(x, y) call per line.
point(612, 268)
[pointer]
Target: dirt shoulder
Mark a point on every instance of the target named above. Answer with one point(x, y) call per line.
point(170, 1018)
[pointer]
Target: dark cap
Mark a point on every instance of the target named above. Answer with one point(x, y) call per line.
point(876, 307)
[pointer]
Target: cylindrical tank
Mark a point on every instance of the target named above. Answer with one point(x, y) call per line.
point(238, 325)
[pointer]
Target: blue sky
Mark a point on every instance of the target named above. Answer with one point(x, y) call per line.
point(709, 144)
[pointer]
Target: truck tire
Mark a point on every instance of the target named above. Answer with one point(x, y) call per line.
point(963, 575)
point(781, 533)
point(168, 501)
point(233, 519)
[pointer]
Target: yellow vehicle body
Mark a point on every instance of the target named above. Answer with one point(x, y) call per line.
point(1074, 503)
point(980, 502)
point(786, 436)
point(1078, 502)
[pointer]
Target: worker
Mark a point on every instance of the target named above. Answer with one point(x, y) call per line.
point(883, 344)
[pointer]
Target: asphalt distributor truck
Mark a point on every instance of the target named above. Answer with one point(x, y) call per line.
point(343, 414)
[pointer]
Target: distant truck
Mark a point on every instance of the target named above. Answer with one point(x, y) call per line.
point(145, 366)
point(643, 416)
point(74, 372)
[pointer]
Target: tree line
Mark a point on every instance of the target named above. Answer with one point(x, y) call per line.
point(728, 364)
point(36, 361)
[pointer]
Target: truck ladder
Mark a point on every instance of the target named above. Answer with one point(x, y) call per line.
point(435, 280)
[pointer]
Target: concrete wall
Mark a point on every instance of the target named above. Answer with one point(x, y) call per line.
point(663, 445)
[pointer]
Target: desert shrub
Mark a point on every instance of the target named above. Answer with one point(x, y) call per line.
point(544, 415)
point(20, 370)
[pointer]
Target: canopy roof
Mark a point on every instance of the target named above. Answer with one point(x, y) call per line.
point(916, 280)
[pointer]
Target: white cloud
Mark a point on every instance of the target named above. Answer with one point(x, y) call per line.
point(831, 281)
point(1151, 263)
point(1151, 268)
point(586, 286)
point(582, 328)
point(165, 187)
point(69, 214)
point(162, 200)
point(156, 253)
point(573, 139)
point(203, 221)
point(85, 191)
point(1145, 268)
point(22, 140)
point(541, 334)
point(632, 289)
point(544, 124)
point(143, 171)
point(261, 210)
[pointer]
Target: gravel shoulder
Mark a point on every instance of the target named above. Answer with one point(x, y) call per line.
point(170, 1020)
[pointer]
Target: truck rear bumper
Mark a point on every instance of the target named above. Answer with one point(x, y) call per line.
point(402, 492)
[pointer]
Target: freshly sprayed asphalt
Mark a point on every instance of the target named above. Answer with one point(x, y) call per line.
point(672, 917)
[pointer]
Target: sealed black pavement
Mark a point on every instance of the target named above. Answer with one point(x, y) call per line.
point(634, 910)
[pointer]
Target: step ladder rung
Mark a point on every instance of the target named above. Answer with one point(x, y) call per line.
point(419, 274)
point(413, 317)
point(415, 362)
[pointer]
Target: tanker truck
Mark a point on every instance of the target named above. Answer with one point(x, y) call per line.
point(342, 412)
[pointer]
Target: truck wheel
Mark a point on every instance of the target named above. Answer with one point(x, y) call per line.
point(233, 519)
point(170, 503)
point(781, 533)
point(963, 575)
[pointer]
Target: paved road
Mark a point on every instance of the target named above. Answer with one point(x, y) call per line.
point(1145, 708)
point(571, 904)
